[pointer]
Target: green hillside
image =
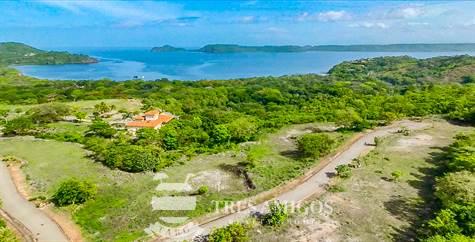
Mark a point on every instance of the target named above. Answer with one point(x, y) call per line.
point(12, 53)
point(166, 48)
point(406, 70)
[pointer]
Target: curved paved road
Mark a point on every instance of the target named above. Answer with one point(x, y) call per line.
point(39, 224)
point(310, 186)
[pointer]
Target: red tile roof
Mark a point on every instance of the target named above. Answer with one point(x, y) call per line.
point(153, 112)
point(162, 118)
point(139, 117)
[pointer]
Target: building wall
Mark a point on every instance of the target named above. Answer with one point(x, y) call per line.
point(151, 117)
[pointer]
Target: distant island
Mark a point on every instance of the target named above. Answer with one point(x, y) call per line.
point(232, 48)
point(12, 53)
point(167, 48)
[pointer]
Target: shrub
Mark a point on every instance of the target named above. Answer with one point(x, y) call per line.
point(48, 113)
point(22, 125)
point(80, 115)
point(73, 191)
point(343, 171)
point(396, 175)
point(202, 190)
point(6, 235)
point(444, 224)
point(277, 214)
point(450, 238)
point(132, 158)
point(335, 188)
point(315, 145)
point(235, 232)
point(3, 224)
point(102, 108)
point(462, 153)
point(242, 129)
point(377, 141)
point(101, 128)
point(456, 188)
point(404, 131)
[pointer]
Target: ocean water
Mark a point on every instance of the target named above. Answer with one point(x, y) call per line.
point(124, 64)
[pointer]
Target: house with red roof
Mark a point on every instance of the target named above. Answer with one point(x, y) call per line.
point(151, 119)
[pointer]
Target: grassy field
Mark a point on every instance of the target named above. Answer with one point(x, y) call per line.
point(279, 158)
point(122, 208)
point(374, 206)
point(86, 106)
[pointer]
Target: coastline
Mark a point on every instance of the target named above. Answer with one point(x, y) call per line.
point(125, 64)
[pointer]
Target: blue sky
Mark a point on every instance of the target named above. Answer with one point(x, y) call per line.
point(62, 23)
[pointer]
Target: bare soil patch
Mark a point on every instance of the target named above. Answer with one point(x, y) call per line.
point(414, 141)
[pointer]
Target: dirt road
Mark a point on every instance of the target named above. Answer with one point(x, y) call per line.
point(312, 185)
point(42, 228)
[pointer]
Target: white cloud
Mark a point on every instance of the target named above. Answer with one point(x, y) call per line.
point(469, 23)
point(369, 25)
point(127, 14)
point(332, 16)
point(303, 17)
point(407, 12)
point(277, 30)
point(247, 19)
point(418, 23)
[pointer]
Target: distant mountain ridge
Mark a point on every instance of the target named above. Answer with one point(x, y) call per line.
point(13, 53)
point(233, 48)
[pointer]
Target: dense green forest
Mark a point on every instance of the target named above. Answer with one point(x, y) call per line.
point(218, 115)
point(215, 115)
point(455, 190)
point(21, 54)
point(233, 48)
point(407, 70)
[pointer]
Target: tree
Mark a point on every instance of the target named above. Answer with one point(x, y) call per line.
point(73, 191)
point(220, 134)
point(235, 232)
point(131, 158)
point(48, 113)
point(202, 190)
point(101, 128)
point(456, 188)
point(277, 214)
point(80, 115)
point(315, 145)
point(348, 119)
point(461, 153)
point(102, 108)
point(147, 136)
point(468, 79)
point(4, 115)
point(343, 171)
point(465, 216)
point(169, 137)
point(269, 95)
point(450, 238)
point(22, 125)
point(242, 129)
point(444, 224)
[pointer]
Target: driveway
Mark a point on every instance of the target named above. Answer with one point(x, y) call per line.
point(38, 223)
point(312, 185)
